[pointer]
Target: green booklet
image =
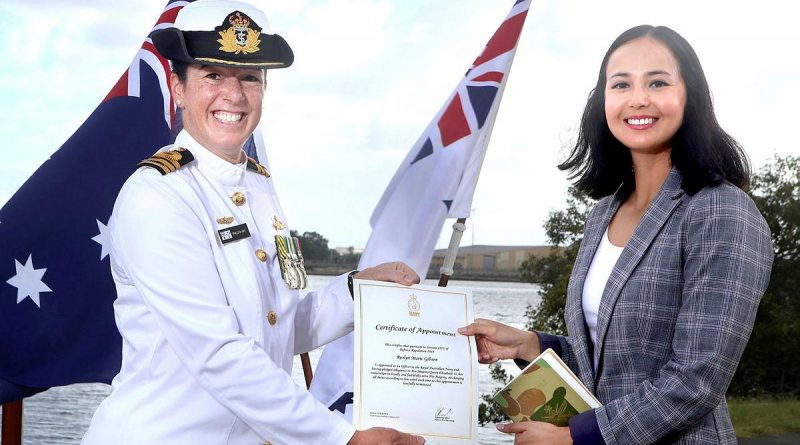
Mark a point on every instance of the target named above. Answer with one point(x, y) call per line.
point(545, 391)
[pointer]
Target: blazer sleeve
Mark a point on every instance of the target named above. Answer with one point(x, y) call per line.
point(727, 258)
point(558, 343)
point(168, 258)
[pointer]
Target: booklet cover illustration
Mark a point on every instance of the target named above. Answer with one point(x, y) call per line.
point(545, 391)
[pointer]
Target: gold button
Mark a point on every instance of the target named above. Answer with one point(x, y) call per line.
point(272, 318)
point(238, 198)
point(261, 255)
point(266, 442)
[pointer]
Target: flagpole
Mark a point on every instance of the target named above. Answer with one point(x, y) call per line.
point(308, 374)
point(12, 423)
point(459, 227)
point(452, 251)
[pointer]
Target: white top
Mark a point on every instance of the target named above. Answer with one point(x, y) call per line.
point(600, 270)
point(201, 364)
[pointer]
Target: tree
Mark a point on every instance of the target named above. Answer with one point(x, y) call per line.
point(488, 411)
point(564, 229)
point(313, 245)
point(769, 364)
point(349, 256)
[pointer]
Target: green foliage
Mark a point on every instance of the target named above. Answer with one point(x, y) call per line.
point(315, 248)
point(348, 257)
point(313, 245)
point(488, 411)
point(551, 273)
point(770, 362)
point(765, 417)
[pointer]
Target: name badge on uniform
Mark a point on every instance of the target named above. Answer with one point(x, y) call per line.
point(290, 258)
point(234, 233)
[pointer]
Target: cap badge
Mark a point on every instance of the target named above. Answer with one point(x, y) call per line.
point(242, 36)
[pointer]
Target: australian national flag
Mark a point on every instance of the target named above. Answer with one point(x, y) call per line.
point(436, 180)
point(56, 291)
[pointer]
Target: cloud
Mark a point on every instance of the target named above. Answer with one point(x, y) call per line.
point(66, 56)
point(370, 75)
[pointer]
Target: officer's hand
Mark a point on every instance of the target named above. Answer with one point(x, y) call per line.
point(395, 272)
point(384, 436)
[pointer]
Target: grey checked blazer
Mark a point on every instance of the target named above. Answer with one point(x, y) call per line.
point(675, 315)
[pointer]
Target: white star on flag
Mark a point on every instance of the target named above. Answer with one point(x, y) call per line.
point(102, 239)
point(28, 281)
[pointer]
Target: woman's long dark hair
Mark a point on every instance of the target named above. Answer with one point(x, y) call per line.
point(702, 151)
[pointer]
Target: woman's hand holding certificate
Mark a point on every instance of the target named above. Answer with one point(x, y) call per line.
point(414, 372)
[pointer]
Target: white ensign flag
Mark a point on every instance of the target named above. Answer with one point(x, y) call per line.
point(436, 180)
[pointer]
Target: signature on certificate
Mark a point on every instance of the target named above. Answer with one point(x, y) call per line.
point(443, 415)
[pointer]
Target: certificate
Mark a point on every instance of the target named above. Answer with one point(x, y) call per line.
point(413, 371)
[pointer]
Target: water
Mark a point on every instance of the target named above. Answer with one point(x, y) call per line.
point(60, 416)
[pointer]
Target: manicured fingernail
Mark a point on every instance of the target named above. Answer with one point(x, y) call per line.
point(501, 427)
point(462, 331)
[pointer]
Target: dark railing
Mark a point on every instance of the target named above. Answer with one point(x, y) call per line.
point(477, 275)
point(329, 267)
point(338, 268)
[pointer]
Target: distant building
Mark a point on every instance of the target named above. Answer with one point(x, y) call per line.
point(489, 259)
point(349, 250)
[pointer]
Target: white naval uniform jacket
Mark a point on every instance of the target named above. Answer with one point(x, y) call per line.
point(201, 364)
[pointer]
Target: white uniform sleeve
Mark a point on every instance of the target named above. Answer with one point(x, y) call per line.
point(160, 241)
point(323, 316)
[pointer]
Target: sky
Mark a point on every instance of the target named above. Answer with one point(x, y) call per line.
point(369, 75)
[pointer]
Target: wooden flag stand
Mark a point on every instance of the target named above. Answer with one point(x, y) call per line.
point(305, 360)
point(12, 423)
point(452, 252)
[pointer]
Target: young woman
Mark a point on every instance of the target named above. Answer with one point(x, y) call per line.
point(674, 259)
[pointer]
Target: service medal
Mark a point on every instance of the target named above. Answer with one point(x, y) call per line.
point(290, 259)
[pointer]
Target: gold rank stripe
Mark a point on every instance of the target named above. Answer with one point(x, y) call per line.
point(168, 161)
point(165, 165)
point(158, 164)
point(252, 164)
point(228, 62)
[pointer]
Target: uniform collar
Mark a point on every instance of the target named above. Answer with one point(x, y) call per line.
point(211, 164)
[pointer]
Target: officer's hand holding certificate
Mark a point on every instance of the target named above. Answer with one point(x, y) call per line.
point(413, 371)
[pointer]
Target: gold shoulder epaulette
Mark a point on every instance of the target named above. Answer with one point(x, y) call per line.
point(168, 161)
point(252, 164)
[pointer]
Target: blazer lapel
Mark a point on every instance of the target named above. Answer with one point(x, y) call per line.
point(576, 321)
point(653, 220)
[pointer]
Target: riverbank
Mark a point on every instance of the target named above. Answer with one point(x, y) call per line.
point(332, 269)
point(785, 439)
point(766, 417)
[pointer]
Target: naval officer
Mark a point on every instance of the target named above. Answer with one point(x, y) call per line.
point(208, 277)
